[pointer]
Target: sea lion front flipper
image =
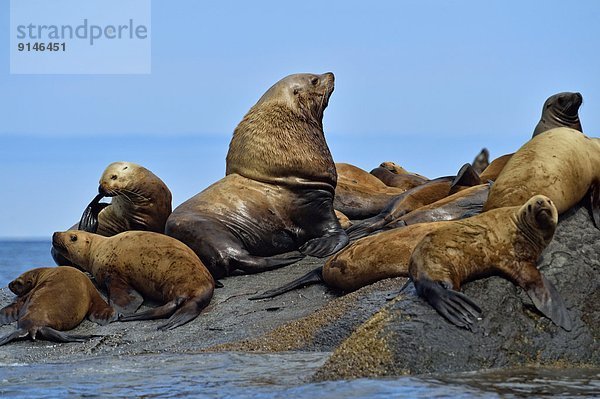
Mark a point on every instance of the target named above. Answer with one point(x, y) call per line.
point(10, 313)
point(456, 307)
point(547, 300)
point(326, 245)
point(89, 219)
point(366, 227)
point(13, 336)
point(313, 277)
point(59, 336)
point(122, 296)
point(595, 203)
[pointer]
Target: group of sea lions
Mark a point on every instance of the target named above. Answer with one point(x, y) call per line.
point(283, 198)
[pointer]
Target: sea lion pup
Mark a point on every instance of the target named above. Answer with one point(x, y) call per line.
point(560, 110)
point(404, 181)
point(276, 203)
point(364, 262)
point(481, 161)
point(505, 242)
point(359, 194)
point(138, 265)
point(562, 164)
point(140, 201)
point(51, 300)
point(415, 198)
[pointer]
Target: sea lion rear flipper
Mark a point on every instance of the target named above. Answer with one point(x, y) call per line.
point(326, 245)
point(190, 309)
point(59, 336)
point(595, 203)
point(456, 307)
point(159, 312)
point(13, 336)
point(89, 219)
point(466, 176)
point(547, 300)
point(313, 277)
point(122, 296)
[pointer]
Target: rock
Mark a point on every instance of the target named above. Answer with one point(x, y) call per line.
point(407, 336)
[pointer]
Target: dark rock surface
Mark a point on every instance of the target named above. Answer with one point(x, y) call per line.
point(369, 334)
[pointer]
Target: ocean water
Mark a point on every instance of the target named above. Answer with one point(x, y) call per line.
point(242, 375)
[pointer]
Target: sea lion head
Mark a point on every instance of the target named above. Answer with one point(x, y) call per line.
point(560, 110)
point(538, 216)
point(73, 245)
point(305, 93)
point(393, 167)
point(121, 178)
point(26, 281)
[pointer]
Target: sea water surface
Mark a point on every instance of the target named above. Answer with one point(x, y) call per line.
point(242, 375)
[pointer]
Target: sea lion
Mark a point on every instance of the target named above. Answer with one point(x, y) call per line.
point(363, 262)
point(345, 222)
point(493, 170)
point(51, 300)
point(140, 201)
point(505, 242)
point(560, 110)
point(466, 203)
point(415, 198)
point(276, 203)
point(562, 164)
point(399, 170)
point(404, 181)
point(359, 194)
point(481, 161)
point(138, 265)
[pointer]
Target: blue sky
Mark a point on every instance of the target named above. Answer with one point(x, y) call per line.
point(423, 83)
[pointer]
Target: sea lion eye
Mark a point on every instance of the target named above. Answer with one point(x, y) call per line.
point(113, 177)
point(314, 81)
point(73, 238)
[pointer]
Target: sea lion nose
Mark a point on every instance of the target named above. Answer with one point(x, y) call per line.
point(540, 202)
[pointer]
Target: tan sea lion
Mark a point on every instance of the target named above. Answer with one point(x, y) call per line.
point(404, 181)
point(415, 198)
point(138, 265)
point(359, 194)
point(365, 261)
point(276, 203)
point(505, 242)
point(399, 170)
point(494, 168)
point(51, 300)
point(140, 201)
point(562, 164)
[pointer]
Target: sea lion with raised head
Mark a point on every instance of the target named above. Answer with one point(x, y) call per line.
point(138, 265)
point(140, 200)
point(562, 164)
point(276, 203)
point(404, 181)
point(560, 110)
point(505, 242)
point(481, 161)
point(51, 300)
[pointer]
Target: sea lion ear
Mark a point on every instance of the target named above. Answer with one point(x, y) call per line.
point(548, 301)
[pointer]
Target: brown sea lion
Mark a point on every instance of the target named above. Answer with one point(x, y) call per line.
point(365, 261)
point(138, 265)
point(560, 110)
point(466, 203)
point(51, 300)
point(140, 201)
point(399, 170)
point(404, 181)
point(415, 198)
point(359, 194)
point(276, 203)
point(505, 242)
point(562, 164)
point(481, 161)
